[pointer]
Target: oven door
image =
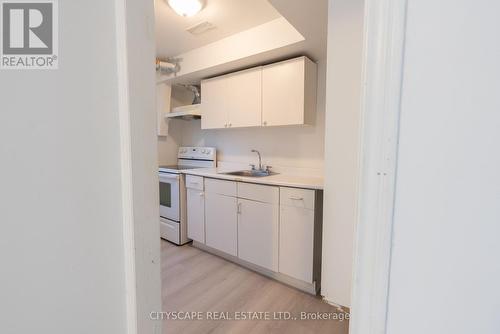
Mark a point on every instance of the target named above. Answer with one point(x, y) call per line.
point(169, 196)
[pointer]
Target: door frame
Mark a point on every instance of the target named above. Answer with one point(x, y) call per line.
point(385, 24)
point(126, 167)
point(383, 60)
point(134, 27)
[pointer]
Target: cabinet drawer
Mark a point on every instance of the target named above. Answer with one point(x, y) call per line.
point(194, 182)
point(300, 198)
point(221, 187)
point(169, 230)
point(257, 192)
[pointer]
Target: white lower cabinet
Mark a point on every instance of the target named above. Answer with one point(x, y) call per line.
point(271, 227)
point(258, 229)
point(195, 208)
point(296, 233)
point(196, 215)
point(221, 223)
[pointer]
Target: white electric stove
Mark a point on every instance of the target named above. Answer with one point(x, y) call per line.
point(173, 222)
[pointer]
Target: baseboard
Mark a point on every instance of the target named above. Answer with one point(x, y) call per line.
point(312, 289)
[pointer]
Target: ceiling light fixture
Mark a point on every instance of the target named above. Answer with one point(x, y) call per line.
point(186, 7)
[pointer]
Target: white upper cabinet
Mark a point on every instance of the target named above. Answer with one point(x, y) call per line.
point(244, 98)
point(283, 93)
point(289, 92)
point(233, 100)
point(213, 109)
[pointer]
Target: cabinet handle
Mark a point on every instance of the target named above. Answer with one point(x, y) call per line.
point(264, 123)
point(239, 208)
point(293, 198)
point(230, 124)
point(202, 194)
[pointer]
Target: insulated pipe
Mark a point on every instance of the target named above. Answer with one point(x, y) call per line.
point(166, 67)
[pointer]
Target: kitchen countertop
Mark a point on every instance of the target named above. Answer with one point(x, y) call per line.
point(285, 180)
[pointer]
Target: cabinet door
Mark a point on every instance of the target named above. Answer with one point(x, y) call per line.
point(258, 226)
point(288, 92)
point(213, 108)
point(296, 242)
point(196, 215)
point(243, 98)
point(221, 222)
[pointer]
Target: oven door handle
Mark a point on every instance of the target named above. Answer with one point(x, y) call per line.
point(168, 176)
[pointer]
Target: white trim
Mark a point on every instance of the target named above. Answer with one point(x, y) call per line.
point(126, 166)
point(385, 25)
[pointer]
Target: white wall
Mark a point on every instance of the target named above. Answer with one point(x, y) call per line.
point(169, 145)
point(345, 42)
point(61, 244)
point(297, 149)
point(445, 269)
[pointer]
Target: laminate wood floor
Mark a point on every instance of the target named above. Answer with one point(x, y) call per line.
point(196, 281)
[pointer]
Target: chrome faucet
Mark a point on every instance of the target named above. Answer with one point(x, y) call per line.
point(260, 160)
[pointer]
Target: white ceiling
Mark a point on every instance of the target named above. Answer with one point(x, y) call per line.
point(310, 18)
point(229, 17)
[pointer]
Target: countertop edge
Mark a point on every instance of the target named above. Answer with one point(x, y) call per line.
point(263, 180)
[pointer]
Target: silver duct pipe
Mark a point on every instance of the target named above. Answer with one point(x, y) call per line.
point(167, 67)
point(195, 89)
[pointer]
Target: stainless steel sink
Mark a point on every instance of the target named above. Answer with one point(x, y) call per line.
point(251, 173)
point(254, 172)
